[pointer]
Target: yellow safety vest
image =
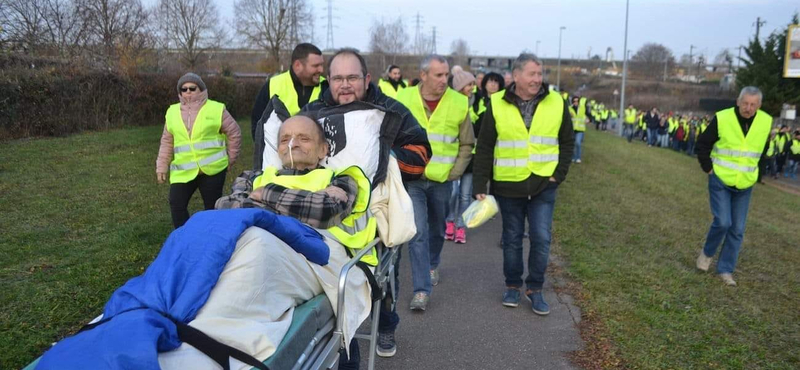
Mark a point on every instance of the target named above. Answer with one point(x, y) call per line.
point(795, 147)
point(356, 230)
point(205, 150)
point(781, 140)
point(771, 149)
point(387, 88)
point(630, 116)
point(735, 156)
point(579, 117)
point(442, 127)
point(519, 151)
point(283, 86)
point(604, 114)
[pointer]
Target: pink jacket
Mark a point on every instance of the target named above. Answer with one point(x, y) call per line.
point(189, 110)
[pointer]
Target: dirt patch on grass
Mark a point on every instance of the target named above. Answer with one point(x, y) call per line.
point(598, 351)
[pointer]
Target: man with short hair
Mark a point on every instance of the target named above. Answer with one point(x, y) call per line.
point(393, 82)
point(298, 86)
point(524, 149)
point(578, 111)
point(350, 82)
point(730, 150)
point(444, 113)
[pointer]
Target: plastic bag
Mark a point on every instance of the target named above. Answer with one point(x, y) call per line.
point(480, 211)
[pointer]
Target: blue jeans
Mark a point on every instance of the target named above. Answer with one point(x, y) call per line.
point(652, 136)
point(576, 154)
point(663, 140)
point(460, 199)
point(627, 131)
point(539, 211)
point(729, 207)
point(430, 208)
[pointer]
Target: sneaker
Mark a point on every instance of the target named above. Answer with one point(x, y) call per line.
point(578, 161)
point(435, 277)
point(538, 304)
point(511, 297)
point(703, 262)
point(449, 230)
point(727, 279)
point(386, 345)
point(420, 301)
point(461, 236)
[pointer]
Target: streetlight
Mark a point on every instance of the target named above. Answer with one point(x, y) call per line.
point(624, 69)
point(558, 78)
point(537, 47)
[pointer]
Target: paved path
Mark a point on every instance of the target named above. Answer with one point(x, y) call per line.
point(465, 325)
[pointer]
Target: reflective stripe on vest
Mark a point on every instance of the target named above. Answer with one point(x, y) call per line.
point(356, 230)
point(442, 126)
point(204, 151)
point(283, 86)
point(579, 117)
point(735, 156)
point(520, 151)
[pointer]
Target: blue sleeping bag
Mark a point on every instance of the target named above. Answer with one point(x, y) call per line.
point(137, 320)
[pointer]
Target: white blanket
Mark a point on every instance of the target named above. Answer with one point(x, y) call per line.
point(251, 306)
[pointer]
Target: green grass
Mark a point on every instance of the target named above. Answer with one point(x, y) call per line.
point(80, 216)
point(631, 220)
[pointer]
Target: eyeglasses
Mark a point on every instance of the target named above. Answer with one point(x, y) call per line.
point(185, 89)
point(351, 79)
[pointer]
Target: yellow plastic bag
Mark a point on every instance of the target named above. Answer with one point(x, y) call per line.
point(480, 211)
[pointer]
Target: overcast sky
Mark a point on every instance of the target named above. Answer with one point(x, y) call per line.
point(506, 27)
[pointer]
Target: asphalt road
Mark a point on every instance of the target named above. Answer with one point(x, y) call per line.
point(465, 325)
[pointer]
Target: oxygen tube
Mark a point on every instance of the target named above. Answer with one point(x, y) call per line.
point(291, 141)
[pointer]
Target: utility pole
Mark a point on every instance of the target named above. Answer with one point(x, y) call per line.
point(666, 60)
point(434, 39)
point(691, 61)
point(624, 70)
point(558, 79)
point(537, 47)
point(329, 40)
point(417, 40)
point(758, 25)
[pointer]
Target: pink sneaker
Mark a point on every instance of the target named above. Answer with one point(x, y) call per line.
point(448, 230)
point(461, 236)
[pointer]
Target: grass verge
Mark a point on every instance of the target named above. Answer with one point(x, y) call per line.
point(631, 220)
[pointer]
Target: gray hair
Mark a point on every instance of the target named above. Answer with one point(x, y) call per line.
point(425, 64)
point(750, 90)
point(523, 59)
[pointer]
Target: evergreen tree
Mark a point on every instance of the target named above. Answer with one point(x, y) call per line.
point(763, 68)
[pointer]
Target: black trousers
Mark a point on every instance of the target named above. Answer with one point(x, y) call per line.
point(180, 194)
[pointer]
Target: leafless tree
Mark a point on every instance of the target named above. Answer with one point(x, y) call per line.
point(118, 30)
point(191, 26)
point(64, 27)
point(22, 23)
point(273, 25)
point(388, 39)
point(459, 49)
point(724, 58)
point(650, 60)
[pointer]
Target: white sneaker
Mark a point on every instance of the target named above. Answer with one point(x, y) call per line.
point(703, 262)
point(727, 279)
point(577, 161)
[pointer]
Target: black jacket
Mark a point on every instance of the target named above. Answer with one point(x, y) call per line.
point(711, 135)
point(484, 156)
point(263, 97)
point(405, 138)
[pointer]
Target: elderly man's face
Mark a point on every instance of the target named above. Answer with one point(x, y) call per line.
point(528, 80)
point(347, 82)
point(301, 136)
point(434, 81)
point(748, 105)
